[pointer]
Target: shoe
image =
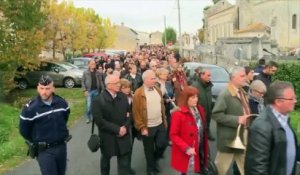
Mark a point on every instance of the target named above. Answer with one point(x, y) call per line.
point(131, 171)
point(88, 121)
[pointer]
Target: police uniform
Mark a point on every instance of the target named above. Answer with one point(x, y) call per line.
point(46, 124)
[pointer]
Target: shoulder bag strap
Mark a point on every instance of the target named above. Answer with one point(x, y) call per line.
point(93, 123)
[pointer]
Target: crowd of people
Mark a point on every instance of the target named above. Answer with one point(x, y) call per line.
point(147, 96)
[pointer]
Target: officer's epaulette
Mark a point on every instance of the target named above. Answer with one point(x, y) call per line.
point(28, 104)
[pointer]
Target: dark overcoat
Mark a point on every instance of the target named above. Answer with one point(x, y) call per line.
point(110, 114)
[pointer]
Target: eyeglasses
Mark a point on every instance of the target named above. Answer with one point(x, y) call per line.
point(260, 92)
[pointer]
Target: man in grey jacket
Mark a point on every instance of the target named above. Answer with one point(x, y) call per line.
point(92, 84)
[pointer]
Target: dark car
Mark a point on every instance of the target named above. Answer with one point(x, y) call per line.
point(63, 74)
point(219, 76)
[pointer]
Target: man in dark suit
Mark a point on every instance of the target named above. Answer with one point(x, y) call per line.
point(272, 144)
point(113, 125)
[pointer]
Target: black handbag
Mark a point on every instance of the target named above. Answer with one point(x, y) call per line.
point(94, 141)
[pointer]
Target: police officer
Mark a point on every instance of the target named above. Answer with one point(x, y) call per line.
point(43, 122)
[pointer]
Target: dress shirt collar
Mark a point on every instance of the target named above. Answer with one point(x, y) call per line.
point(283, 119)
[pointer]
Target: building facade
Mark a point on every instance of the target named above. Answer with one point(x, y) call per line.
point(278, 20)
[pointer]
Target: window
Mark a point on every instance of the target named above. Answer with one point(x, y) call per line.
point(294, 21)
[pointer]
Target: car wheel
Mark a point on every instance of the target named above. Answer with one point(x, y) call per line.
point(22, 84)
point(69, 83)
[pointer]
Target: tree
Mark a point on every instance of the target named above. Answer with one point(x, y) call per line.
point(215, 1)
point(21, 35)
point(201, 35)
point(170, 36)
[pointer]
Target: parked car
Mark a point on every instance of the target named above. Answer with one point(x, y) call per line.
point(63, 74)
point(81, 62)
point(219, 76)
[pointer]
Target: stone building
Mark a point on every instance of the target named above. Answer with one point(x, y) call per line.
point(277, 20)
point(126, 38)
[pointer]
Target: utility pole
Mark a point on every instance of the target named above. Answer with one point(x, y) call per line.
point(165, 31)
point(179, 25)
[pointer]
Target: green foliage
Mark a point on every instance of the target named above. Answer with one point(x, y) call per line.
point(215, 1)
point(289, 72)
point(12, 145)
point(21, 36)
point(170, 35)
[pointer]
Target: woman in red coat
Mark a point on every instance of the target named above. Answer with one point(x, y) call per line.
point(188, 134)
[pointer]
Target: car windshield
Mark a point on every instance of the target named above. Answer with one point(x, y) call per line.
point(68, 66)
point(218, 74)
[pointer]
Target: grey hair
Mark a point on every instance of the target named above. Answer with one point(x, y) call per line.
point(161, 71)
point(234, 70)
point(258, 85)
point(201, 70)
point(276, 90)
point(108, 79)
point(147, 73)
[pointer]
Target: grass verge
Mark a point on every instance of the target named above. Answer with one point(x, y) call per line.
point(12, 146)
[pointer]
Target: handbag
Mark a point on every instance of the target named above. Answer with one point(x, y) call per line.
point(94, 141)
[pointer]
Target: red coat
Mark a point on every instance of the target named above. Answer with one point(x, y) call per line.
point(184, 134)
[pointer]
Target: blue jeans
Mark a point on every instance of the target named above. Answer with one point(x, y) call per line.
point(89, 98)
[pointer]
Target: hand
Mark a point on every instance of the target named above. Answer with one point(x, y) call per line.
point(122, 131)
point(86, 93)
point(191, 151)
point(174, 79)
point(145, 132)
point(243, 119)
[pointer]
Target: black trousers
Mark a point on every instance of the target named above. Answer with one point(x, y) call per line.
point(123, 164)
point(155, 145)
point(53, 161)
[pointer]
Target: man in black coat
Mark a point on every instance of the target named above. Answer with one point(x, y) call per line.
point(272, 144)
point(111, 114)
point(266, 75)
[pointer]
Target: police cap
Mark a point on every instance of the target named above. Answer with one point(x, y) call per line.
point(45, 80)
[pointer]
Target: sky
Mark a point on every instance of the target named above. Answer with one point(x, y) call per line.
point(148, 15)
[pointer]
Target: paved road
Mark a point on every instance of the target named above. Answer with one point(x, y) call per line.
point(82, 162)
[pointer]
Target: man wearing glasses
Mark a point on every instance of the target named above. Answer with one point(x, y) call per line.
point(272, 143)
point(110, 110)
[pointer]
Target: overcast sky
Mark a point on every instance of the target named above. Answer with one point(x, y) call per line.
point(148, 15)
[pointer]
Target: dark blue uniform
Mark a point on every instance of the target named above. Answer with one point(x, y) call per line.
point(43, 123)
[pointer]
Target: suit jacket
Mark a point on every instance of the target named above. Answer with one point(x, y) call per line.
point(109, 120)
point(86, 81)
point(266, 147)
